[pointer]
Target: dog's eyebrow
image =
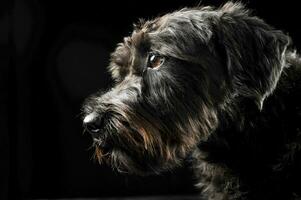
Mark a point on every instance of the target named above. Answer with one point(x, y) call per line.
point(137, 38)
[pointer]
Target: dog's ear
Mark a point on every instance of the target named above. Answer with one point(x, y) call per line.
point(254, 51)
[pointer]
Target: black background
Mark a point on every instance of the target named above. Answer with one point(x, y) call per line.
point(53, 55)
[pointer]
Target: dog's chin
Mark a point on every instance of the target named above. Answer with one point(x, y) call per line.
point(123, 163)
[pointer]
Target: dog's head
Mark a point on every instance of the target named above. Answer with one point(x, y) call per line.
point(174, 75)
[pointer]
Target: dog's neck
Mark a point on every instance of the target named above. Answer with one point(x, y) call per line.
point(240, 121)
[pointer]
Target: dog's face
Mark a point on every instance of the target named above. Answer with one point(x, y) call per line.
point(173, 76)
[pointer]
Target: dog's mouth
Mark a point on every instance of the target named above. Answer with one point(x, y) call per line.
point(102, 149)
point(102, 140)
point(102, 146)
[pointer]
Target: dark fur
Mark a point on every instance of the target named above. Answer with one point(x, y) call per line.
point(227, 96)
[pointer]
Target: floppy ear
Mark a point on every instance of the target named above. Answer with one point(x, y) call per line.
point(254, 52)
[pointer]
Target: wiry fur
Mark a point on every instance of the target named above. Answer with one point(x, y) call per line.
point(227, 96)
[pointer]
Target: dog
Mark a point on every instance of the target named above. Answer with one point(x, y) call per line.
point(216, 87)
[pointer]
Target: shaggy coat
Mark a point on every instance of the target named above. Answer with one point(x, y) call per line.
point(217, 87)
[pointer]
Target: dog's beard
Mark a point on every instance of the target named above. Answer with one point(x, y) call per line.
point(121, 161)
point(137, 140)
point(115, 158)
point(128, 148)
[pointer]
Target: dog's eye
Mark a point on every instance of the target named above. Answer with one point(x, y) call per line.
point(155, 60)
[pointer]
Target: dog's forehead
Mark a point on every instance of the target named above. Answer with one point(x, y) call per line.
point(171, 33)
point(142, 32)
point(149, 30)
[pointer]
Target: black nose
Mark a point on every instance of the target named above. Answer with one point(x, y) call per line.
point(94, 126)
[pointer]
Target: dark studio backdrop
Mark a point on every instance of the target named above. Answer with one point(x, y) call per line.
point(54, 53)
